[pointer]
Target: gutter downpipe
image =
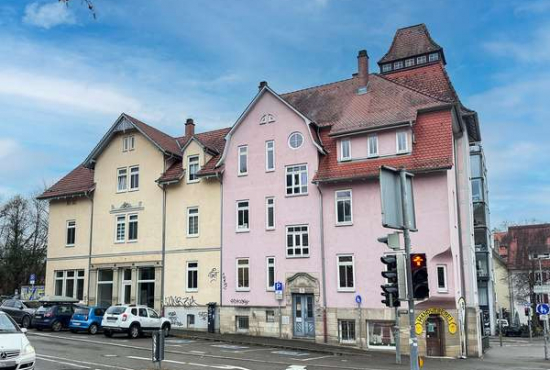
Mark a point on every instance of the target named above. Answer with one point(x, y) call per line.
point(323, 269)
point(90, 246)
point(221, 240)
point(163, 274)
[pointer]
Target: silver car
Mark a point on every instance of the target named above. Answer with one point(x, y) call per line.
point(16, 352)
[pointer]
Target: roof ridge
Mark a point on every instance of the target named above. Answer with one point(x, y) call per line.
point(148, 125)
point(414, 25)
point(204, 132)
point(316, 86)
point(413, 89)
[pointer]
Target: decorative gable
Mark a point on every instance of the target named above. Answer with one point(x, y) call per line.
point(267, 118)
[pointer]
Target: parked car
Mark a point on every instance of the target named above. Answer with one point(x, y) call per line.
point(53, 315)
point(16, 350)
point(514, 331)
point(20, 311)
point(86, 319)
point(133, 320)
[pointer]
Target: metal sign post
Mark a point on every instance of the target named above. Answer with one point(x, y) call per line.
point(359, 300)
point(158, 348)
point(544, 311)
point(279, 298)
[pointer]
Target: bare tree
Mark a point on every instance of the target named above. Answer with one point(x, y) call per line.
point(23, 242)
point(88, 4)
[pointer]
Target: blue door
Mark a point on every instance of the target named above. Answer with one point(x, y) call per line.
point(304, 320)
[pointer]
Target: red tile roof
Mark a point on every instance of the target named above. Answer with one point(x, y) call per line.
point(410, 41)
point(516, 244)
point(175, 172)
point(431, 151)
point(77, 182)
point(164, 141)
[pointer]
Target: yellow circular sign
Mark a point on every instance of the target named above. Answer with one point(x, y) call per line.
point(418, 329)
point(452, 328)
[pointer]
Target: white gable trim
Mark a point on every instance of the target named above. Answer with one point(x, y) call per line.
point(266, 89)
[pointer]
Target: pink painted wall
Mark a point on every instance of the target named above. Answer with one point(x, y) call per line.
point(360, 239)
point(387, 144)
point(259, 243)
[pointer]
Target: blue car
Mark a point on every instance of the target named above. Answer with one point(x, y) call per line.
point(87, 319)
point(55, 316)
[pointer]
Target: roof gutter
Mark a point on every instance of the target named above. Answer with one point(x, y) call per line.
point(67, 195)
point(372, 129)
point(375, 176)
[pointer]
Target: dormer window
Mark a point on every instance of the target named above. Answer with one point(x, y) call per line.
point(386, 67)
point(398, 65)
point(409, 62)
point(421, 60)
point(128, 143)
point(402, 142)
point(345, 150)
point(192, 168)
point(267, 118)
point(433, 57)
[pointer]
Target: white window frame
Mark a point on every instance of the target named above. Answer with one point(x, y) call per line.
point(118, 176)
point(132, 174)
point(268, 265)
point(269, 206)
point(191, 269)
point(189, 158)
point(369, 146)
point(398, 65)
point(433, 57)
point(290, 137)
point(125, 143)
point(300, 185)
point(342, 157)
point(69, 226)
point(129, 220)
point(444, 289)
point(338, 264)
point(197, 215)
point(302, 254)
point(247, 266)
point(78, 275)
point(243, 208)
point(269, 151)
point(421, 59)
point(123, 223)
point(347, 341)
point(343, 223)
point(387, 67)
point(242, 151)
point(406, 150)
point(409, 62)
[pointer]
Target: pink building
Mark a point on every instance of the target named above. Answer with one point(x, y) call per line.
point(301, 205)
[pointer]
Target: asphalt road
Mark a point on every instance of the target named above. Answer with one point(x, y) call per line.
point(64, 351)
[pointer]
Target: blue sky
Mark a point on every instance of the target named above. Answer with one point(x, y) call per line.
point(65, 77)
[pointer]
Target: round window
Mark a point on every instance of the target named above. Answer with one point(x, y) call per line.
point(295, 140)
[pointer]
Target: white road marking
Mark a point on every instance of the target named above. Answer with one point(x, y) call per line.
point(62, 363)
point(83, 362)
point(224, 367)
point(229, 346)
point(315, 358)
point(110, 355)
point(296, 367)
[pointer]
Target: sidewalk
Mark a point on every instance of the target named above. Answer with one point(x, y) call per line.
point(294, 344)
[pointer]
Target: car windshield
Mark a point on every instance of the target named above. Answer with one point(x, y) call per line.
point(81, 311)
point(116, 310)
point(7, 325)
point(32, 304)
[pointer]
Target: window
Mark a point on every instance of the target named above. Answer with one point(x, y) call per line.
point(243, 270)
point(270, 261)
point(192, 168)
point(270, 156)
point(243, 160)
point(347, 331)
point(433, 57)
point(386, 67)
point(146, 286)
point(267, 118)
point(132, 228)
point(270, 213)
point(192, 276)
point(380, 334)
point(345, 150)
point(343, 207)
point(346, 274)
point(295, 140)
point(59, 283)
point(242, 216)
point(71, 233)
point(442, 278)
point(409, 62)
point(269, 315)
point(190, 320)
point(134, 178)
point(372, 145)
point(120, 235)
point(421, 59)
point(402, 142)
point(297, 241)
point(122, 179)
point(242, 323)
point(193, 222)
point(128, 143)
point(126, 286)
point(477, 190)
point(296, 180)
point(105, 288)
point(398, 65)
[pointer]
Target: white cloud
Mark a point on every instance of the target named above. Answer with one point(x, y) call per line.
point(8, 147)
point(534, 49)
point(48, 15)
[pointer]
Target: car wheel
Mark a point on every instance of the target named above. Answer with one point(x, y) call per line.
point(134, 331)
point(26, 322)
point(108, 333)
point(92, 329)
point(56, 326)
point(166, 330)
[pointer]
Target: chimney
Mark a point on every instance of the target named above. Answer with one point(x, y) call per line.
point(363, 70)
point(262, 85)
point(189, 127)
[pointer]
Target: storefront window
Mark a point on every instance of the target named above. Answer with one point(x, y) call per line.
point(381, 334)
point(146, 286)
point(105, 288)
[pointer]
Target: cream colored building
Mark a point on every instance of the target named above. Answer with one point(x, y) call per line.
point(140, 222)
point(502, 284)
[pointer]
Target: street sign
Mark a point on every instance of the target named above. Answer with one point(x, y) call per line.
point(543, 317)
point(279, 291)
point(358, 299)
point(541, 289)
point(543, 309)
point(278, 286)
point(390, 196)
point(32, 279)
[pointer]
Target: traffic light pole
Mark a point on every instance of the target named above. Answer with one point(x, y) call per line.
point(407, 238)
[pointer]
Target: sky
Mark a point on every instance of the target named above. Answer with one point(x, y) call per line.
point(66, 76)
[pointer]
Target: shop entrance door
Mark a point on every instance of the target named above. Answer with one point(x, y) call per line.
point(304, 321)
point(435, 345)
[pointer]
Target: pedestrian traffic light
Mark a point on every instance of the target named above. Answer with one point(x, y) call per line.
point(390, 291)
point(391, 240)
point(527, 311)
point(419, 272)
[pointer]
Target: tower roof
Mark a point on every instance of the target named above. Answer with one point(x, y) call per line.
point(409, 42)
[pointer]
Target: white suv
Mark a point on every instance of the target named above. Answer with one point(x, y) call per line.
point(133, 320)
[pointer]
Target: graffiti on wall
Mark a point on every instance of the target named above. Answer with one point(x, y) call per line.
point(224, 281)
point(175, 301)
point(240, 301)
point(29, 293)
point(203, 315)
point(173, 317)
point(213, 275)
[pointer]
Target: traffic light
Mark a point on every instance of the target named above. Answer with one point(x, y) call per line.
point(419, 270)
point(390, 291)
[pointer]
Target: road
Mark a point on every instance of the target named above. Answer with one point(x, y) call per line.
point(64, 351)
